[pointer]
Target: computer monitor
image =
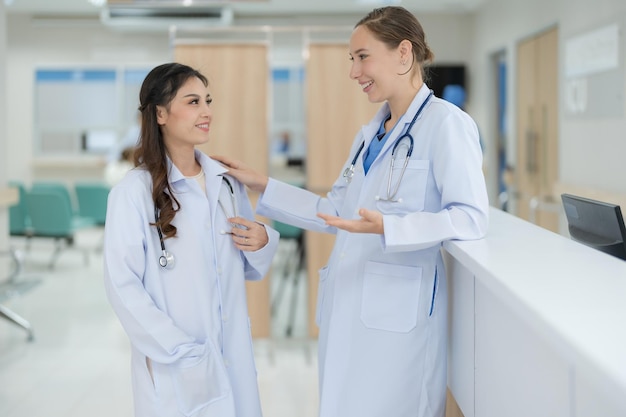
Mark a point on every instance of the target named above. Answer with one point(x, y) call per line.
point(597, 224)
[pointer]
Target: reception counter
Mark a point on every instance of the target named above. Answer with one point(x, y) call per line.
point(537, 325)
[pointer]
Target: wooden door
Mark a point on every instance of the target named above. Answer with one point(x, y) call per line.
point(238, 81)
point(526, 167)
point(536, 170)
point(336, 108)
point(547, 99)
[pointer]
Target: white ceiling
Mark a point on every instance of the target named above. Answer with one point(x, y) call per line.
point(258, 8)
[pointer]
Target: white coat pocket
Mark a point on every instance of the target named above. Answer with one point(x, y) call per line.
point(323, 273)
point(390, 296)
point(199, 381)
point(411, 188)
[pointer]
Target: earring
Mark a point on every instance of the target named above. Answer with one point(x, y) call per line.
point(403, 62)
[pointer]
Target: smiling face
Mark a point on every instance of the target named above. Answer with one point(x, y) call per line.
point(374, 66)
point(185, 122)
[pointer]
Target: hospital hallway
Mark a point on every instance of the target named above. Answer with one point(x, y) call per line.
point(79, 363)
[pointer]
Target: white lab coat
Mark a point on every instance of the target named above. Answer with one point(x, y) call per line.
point(190, 323)
point(382, 300)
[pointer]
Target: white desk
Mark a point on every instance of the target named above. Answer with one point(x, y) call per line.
point(537, 325)
point(8, 197)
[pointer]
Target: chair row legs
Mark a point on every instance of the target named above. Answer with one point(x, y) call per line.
point(292, 269)
point(12, 281)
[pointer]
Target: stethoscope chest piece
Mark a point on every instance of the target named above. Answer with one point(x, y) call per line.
point(348, 173)
point(166, 260)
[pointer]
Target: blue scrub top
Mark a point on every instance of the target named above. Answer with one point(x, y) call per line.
point(376, 145)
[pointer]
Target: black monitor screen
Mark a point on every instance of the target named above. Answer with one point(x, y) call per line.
point(596, 224)
point(441, 75)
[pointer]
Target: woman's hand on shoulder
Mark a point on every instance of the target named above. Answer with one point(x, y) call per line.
point(243, 173)
point(371, 221)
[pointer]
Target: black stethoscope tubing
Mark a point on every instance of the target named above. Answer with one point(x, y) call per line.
point(348, 172)
point(166, 260)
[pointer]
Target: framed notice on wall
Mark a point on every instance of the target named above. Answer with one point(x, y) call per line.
point(594, 73)
point(71, 102)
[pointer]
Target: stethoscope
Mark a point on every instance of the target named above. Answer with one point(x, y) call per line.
point(348, 173)
point(167, 260)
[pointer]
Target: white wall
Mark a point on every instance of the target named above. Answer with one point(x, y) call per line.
point(591, 149)
point(31, 44)
point(450, 37)
point(4, 229)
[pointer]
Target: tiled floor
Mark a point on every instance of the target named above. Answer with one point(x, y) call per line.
point(78, 363)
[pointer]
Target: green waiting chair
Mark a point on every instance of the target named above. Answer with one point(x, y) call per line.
point(92, 201)
point(19, 223)
point(64, 192)
point(51, 217)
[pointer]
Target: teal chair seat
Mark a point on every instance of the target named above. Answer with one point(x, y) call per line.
point(92, 201)
point(63, 191)
point(51, 216)
point(19, 223)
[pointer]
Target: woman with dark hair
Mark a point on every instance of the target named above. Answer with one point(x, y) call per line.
point(412, 181)
point(180, 240)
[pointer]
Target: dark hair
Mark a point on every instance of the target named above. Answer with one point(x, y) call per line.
point(393, 24)
point(159, 89)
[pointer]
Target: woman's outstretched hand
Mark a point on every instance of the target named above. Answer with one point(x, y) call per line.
point(371, 221)
point(243, 173)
